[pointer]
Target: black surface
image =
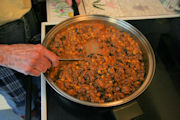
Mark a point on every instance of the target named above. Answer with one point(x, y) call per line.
point(161, 100)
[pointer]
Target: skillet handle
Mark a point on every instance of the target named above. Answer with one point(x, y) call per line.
point(75, 7)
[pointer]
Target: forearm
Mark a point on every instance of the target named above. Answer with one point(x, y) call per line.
point(3, 53)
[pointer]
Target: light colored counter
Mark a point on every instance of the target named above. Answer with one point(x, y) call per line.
point(127, 9)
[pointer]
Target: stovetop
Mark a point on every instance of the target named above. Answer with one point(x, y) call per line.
point(161, 100)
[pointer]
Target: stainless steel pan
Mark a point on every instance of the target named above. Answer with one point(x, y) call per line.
point(146, 48)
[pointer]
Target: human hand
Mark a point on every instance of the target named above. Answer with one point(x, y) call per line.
point(28, 59)
point(69, 2)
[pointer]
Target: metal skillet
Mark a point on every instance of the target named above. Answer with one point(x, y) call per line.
point(147, 50)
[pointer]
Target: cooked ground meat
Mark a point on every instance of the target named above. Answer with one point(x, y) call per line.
point(116, 71)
